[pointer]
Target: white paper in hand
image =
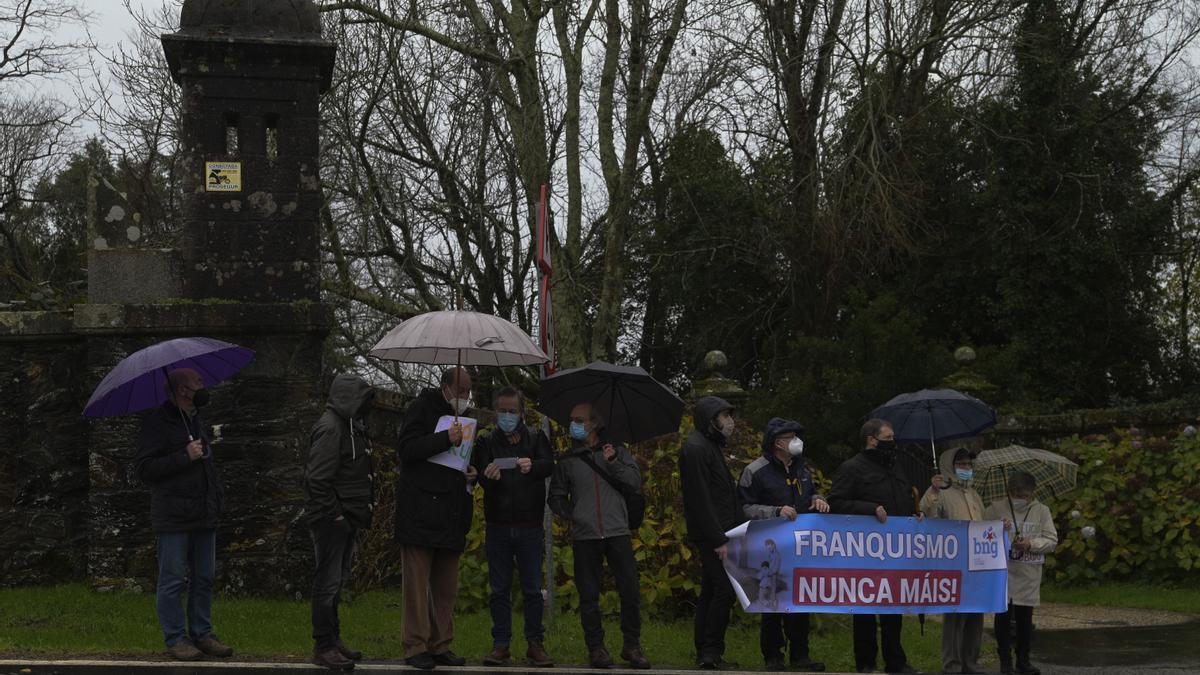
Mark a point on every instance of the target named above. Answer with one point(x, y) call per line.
point(459, 456)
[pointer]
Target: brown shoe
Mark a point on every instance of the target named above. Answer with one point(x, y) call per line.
point(499, 656)
point(537, 655)
point(332, 659)
point(636, 658)
point(599, 658)
point(210, 645)
point(184, 650)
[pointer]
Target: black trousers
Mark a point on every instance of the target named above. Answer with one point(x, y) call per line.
point(784, 630)
point(712, 608)
point(589, 565)
point(1003, 627)
point(890, 626)
point(333, 548)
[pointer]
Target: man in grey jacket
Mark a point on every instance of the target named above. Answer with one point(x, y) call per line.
point(600, 523)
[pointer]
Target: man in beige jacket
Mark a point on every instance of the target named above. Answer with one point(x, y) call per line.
point(951, 497)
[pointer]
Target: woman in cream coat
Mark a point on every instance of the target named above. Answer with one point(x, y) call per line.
point(1031, 529)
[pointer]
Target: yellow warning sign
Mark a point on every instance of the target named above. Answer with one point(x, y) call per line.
point(223, 177)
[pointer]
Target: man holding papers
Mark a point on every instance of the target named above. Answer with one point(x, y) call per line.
point(433, 515)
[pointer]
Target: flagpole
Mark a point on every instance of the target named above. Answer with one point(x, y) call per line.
point(544, 271)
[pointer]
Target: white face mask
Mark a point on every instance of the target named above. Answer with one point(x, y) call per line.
point(1019, 503)
point(795, 447)
point(727, 430)
point(459, 405)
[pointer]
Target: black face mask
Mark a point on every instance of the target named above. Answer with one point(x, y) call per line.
point(200, 398)
point(888, 446)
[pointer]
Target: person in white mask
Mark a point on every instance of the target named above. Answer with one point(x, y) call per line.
point(433, 515)
point(779, 485)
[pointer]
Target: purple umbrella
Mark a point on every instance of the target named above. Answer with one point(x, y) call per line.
point(139, 381)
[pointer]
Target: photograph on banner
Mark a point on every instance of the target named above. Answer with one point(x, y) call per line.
point(855, 564)
point(459, 456)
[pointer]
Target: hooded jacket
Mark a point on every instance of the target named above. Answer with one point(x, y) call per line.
point(959, 501)
point(339, 470)
point(863, 483)
point(1035, 524)
point(185, 495)
point(710, 500)
point(516, 499)
point(767, 484)
point(581, 496)
point(433, 507)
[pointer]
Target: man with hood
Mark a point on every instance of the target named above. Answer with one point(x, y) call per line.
point(779, 485)
point(433, 515)
point(514, 504)
point(175, 459)
point(951, 497)
point(339, 500)
point(710, 506)
point(581, 493)
point(872, 484)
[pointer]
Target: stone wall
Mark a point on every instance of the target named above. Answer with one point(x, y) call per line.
point(43, 454)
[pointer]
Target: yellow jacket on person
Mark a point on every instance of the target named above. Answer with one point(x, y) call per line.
point(959, 501)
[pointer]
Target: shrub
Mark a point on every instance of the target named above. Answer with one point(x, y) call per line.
point(1142, 496)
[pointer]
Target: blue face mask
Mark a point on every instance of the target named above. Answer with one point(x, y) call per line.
point(578, 431)
point(508, 422)
point(964, 474)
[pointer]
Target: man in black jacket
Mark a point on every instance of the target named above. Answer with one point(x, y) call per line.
point(174, 458)
point(710, 505)
point(433, 515)
point(339, 499)
point(779, 485)
point(872, 484)
point(513, 463)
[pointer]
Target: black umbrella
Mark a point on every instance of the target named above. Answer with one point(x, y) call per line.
point(635, 406)
point(936, 415)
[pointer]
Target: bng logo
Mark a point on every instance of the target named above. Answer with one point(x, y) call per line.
point(990, 546)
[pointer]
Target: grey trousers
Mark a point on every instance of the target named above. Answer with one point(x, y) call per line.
point(961, 637)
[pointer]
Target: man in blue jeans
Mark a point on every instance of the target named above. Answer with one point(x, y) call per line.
point(513, 464)
point(175, 460)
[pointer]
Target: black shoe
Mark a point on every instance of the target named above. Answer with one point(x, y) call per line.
point(635, 658)
point(867, 669)
point(422, 661)
point(449, 658)
point(352, 654)
point(775, 664)
point(1027, 669)
point(707, 663)
point(722, 664)
point(905, 669)
point(807, 666)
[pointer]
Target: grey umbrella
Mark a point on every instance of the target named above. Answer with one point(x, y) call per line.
point(634, 405)
point(459, 338)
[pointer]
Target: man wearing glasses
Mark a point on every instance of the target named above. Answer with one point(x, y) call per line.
point(872, 484)
point(513, 463)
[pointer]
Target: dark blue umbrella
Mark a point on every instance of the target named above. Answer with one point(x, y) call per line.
point(634, 405)
point(936, 415)
point(139, 381)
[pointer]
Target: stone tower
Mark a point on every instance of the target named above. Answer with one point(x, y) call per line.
point(247, 270)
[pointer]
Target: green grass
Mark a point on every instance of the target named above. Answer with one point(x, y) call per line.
point(74, 621)
point(1136, 596)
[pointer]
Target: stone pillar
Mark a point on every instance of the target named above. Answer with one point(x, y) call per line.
point(247, 272)
point(713, 383)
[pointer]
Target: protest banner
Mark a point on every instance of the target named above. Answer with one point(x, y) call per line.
point(855, 564)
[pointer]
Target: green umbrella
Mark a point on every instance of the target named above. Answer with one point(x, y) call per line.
point(1054, 473)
